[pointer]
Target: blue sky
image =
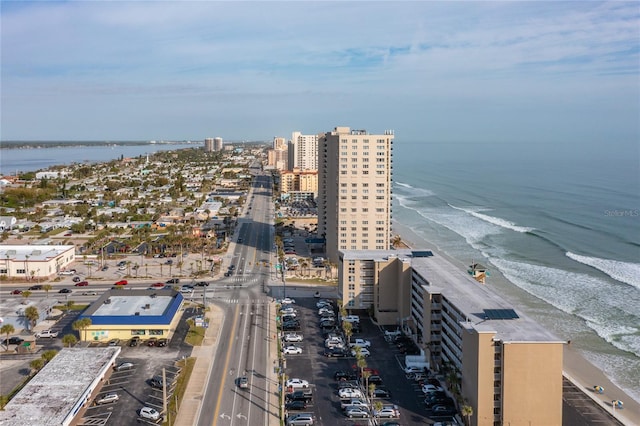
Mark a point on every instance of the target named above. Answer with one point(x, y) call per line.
point(512, 72)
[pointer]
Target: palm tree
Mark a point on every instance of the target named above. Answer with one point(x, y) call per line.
point(37, 364)
point(82, 325)
point(32, 315)
point(467, 412)
point(69, 340)
point(26, 294)
point(377, 406)
point(49, 355)
point(7, 329)
point(347, 327)
point(47, 288)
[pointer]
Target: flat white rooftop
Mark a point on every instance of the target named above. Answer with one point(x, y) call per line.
point(55, 394)
point(35, 252)
point(127, 305)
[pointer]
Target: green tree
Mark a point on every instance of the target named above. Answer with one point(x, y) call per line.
point(37, 364)
point(347, 327)
point(47, 288)
point(467, 411)
point(26, 294)
point(49, 355)
point(32, 315)
point(69, 305)
point(69, 340)
point(7, 329)
point(82, 325)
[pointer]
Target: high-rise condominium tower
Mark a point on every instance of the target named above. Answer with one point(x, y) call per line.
point(303, 152)
point(354, 190)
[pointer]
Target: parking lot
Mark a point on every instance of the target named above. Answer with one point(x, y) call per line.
point(385, 359)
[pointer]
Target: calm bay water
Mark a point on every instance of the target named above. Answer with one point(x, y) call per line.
point(559, 229)
point(13, 161)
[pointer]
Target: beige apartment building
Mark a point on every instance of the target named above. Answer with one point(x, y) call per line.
point(303, 152)
point(278, 156)
point(299, 181)
point(509, 367)
point(354, 190)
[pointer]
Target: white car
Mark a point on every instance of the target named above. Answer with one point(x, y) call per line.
point(325, 310)
point(349, 393)
point(287, 301)
point(46, 333)
point(149, 413)
point(291, 349)
point(288, 311)
point(89, 293)
point(323, 304)
point(360, 343)
point(413, 369)
point(428, 388)
point(354, 403)
point(389, 412)
point(297, 383)
point(363, 351)
point(292, 337)
point(107, 399)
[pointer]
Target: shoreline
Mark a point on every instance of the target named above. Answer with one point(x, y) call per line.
point(576, 367)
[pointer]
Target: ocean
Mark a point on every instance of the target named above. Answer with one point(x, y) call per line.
point(558, 228)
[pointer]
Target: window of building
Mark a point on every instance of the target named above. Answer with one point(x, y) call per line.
point(138, 332)
point(352, 286)
point(343, 228)
point(21, 271)
point(365, 222)
point(380, 248)
point(343, 197)
point(365, 210)
point(343, 234)
point(354, 172)
point(354, 210)
point(379, 172)
point(379, 241)
point(343, 210)
point(365, 172)
point(365, 197)
point(343, 172)
point(4, 271)
point(365, 160)
point(352, 263)
point(352, 279)
point(156, 332)
point(379, 210)
point(365, 241)
point(343, 242)
point(343, 166)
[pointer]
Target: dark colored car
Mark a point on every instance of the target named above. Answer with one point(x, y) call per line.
point(174, 281)
point(232, 267)
point(290, 326)
point(152, 341)
point(82, 284)
point(16, 292)
point(15, 340)
point(438, 400)
point(344, 375)
point(442, 410)
point(135, 340)
point(202, 284)
point(374, 379)
point(36, 287)
point(296, 405)
point(336, 353)
point(64, 290)
point(76, 279)
point(156, 382)
point(162, 342)
point(305, 395)
point(381, 393)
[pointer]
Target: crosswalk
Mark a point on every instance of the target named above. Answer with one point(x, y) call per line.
point(241, 301)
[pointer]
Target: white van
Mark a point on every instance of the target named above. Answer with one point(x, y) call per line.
point(351, 318)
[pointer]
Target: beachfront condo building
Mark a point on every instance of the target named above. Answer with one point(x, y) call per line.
point(297, 185)
point(303, 152)
point(277, 158)
point(504, 365)
point(354, 190)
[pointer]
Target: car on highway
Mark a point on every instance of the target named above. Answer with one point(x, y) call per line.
point(16, 291)
point(50, 334)
point(296, 383)
point(291, 350)
point(349, 393)
point(157, 285)
point(243, 382)
point(122, 282)
point(36, 287)
point(292, 337)
point(82, 284)
point(186, 289)
point(107, 398)
point(124, 366)
point(202, 284)
point(64, 290)
point(357, 412)
point(149, 413)
point(89, 293)
point(173, 281)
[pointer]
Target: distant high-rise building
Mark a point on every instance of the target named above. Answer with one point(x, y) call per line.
point(354, 190)
point(279, 143)
point(277, 157)
point(208, 145)
point(218, 144)
point(303, 152)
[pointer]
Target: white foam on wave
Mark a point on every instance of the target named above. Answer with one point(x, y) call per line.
point(503, 223)
point(625, 272)
point(416, 192)
point(614, 317)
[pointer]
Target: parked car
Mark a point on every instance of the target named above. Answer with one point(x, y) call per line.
point(361, 343)
point(122, 282)
point(64, 290)
point(374, 380)
point(304, 419)
point(156, 382)
point(153, 341)
point(46, 334)
point(296, 383)
point(381, 393)
point(149, 413)
point(442, 410)
point(305, 395)
point(335, 353)
point(296, 405)
point(124, 366)
point(82, 284)
point(162, 342)
point(107, 398)
point(428, 388)
point(354, 403)
point(291, 326)
point(114, 342)
point(349, 393)
point(388, 412)
point(292, 337)
point(291, 349)
point(363, 351)
point(76, 279)
point(359, 412)
point(15, 340)
point(135, 340)
point(344, 375)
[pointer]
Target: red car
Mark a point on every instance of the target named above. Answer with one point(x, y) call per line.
point(157, 285)
point(122, 282)
point(16, 292)
point(82, 284)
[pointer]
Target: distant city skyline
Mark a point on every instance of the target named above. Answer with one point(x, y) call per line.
point(509, 72)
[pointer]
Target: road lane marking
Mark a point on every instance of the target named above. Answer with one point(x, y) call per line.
point(226, 364)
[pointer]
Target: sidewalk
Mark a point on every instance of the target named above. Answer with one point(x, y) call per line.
point(193, 398)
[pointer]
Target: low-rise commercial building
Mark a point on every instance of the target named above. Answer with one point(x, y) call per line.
point(32, 262)
point(123, 314)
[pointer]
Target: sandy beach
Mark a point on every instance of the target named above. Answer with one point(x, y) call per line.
point(576, 367)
